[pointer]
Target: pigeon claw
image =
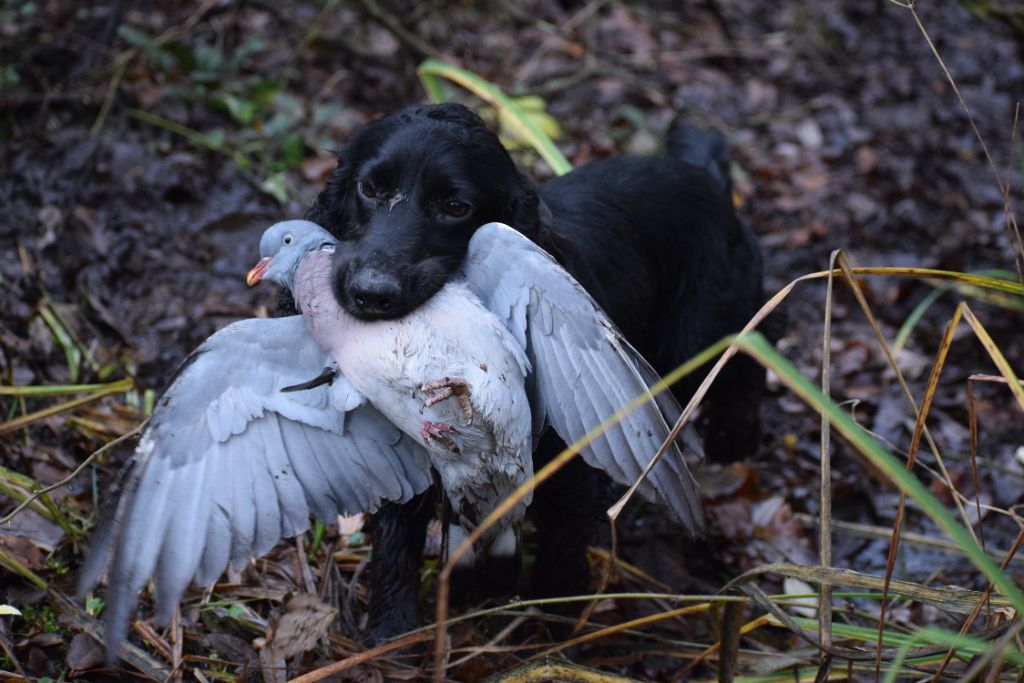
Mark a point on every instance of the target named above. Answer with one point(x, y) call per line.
point(440, 432)
point(447, 387)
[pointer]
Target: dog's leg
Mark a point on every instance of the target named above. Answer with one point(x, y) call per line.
point(565, 510)
point(504, 558)
point(399, 532)
point(731, 418)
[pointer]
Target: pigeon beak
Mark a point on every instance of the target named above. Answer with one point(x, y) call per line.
point(258, 271)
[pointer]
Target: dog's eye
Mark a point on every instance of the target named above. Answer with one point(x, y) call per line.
point(456, 209)
point(367, 189)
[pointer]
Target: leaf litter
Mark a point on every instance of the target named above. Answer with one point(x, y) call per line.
point(122, 250)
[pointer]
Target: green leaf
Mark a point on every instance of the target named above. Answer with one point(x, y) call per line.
point(183, 54)
point(241, 110)
point(292, 151)
point(94, 606)
point(160, 57)
point(9, 76)
point(214, 139)
point(275, 186)
point(244, 51)
point(208, 60)
point(263, 91)
point(533, 110)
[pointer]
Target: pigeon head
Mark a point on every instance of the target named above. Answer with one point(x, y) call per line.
point(282, 247)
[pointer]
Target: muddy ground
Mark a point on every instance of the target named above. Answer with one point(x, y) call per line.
point(144, 147)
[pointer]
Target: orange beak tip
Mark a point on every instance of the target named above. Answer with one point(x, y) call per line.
point(257, 272)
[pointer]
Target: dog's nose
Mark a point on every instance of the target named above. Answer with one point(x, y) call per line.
point(374, 293)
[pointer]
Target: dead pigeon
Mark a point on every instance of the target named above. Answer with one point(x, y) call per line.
point(243, 447)
point(514, 321)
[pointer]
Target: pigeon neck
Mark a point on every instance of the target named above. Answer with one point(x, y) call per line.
point(314, 296)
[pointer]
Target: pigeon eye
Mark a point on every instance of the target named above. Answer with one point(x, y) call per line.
point(288, 238)
point(456, 209)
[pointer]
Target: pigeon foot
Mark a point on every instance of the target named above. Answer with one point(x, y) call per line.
point(440, 432)
point(446, 387)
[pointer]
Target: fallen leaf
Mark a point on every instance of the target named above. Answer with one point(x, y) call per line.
point(806, 607)
point(301, 624)
point(350, 524)
point(84, 653)
point(316, 169)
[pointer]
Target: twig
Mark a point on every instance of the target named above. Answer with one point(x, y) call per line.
point(1004, 188)
point(606, 576)
point(489, 645)
point(872, 531)
point(112, 388)
point(78, 470)
point(6, 647)
point(401, 32)
point(81, 620)
point(825, 492)
point(362, 657)
point(108, 100)
point(1010, 554)
point(610, 630)
point(915, 442)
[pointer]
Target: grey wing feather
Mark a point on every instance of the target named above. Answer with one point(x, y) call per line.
point(583, 368)
point(229, 465)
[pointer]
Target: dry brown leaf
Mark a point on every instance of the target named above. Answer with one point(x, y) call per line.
point(84, 653)
point(304, 620)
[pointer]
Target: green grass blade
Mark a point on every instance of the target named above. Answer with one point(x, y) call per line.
point(432, 70)
point(964, 645)
point(72, 353)
point(37, 391)
point(915, 317)
point(16, 567)
point(757, 346)
point(122, 385)
point(19, 487)
point(982, 281)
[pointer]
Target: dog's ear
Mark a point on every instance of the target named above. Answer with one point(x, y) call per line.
point(531, 216)
point(524, 205)
point(329, 209)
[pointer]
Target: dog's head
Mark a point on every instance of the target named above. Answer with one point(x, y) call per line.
point(409, 191)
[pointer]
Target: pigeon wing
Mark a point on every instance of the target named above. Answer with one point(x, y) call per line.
point(583, 368)
point(229, 464)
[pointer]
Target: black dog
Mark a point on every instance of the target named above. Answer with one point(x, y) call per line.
point(655, 241)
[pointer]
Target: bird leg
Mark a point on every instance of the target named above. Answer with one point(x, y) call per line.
point(439, 431)
point(446, 387)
